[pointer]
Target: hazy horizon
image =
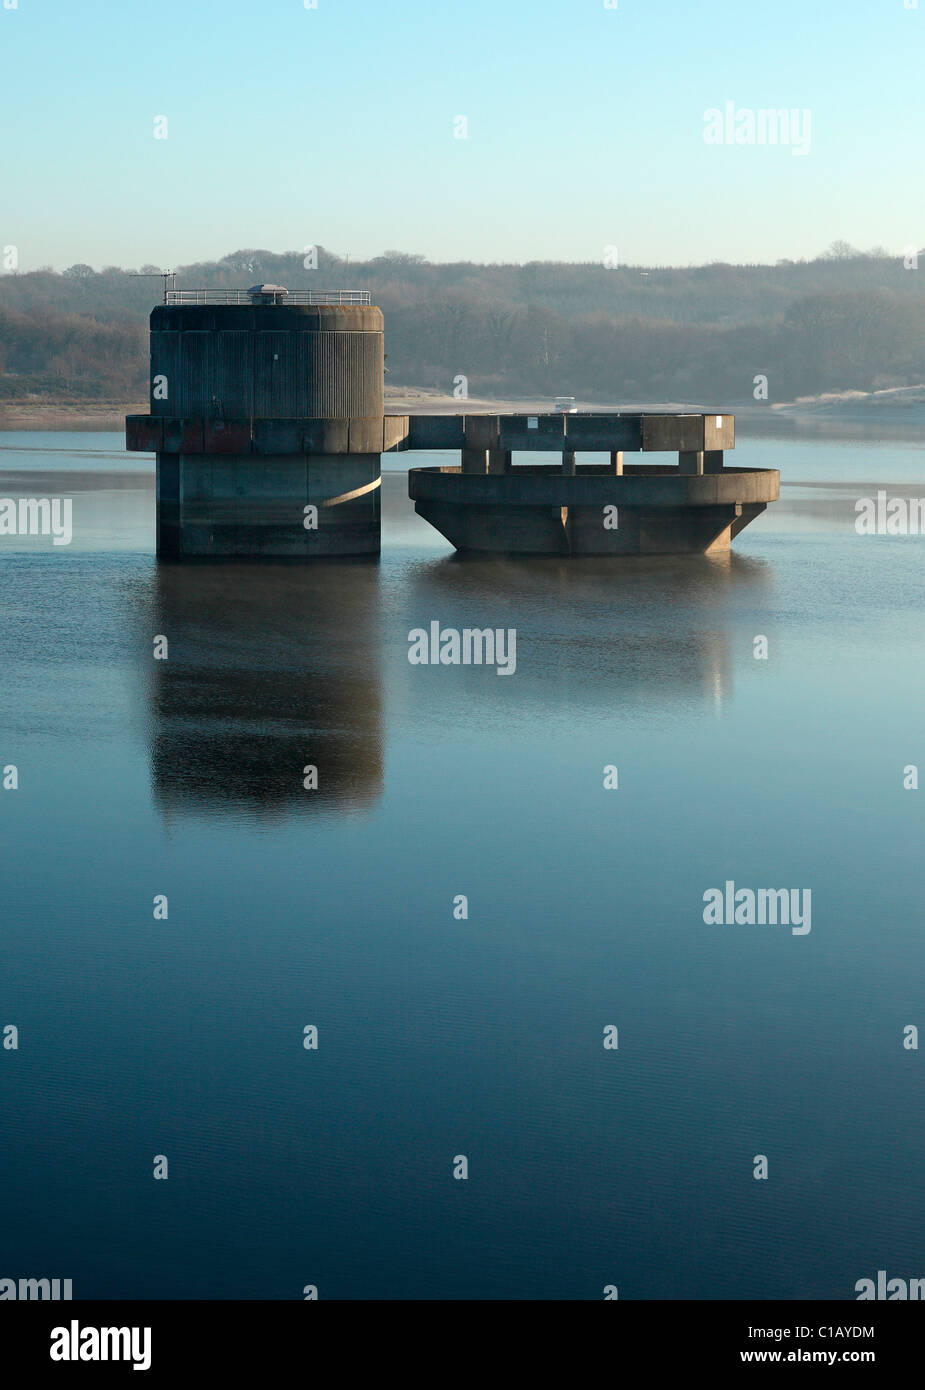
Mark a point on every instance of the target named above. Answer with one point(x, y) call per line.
point(399, 254)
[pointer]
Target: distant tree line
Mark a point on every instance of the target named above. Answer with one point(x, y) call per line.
point(846, 320)
point(71, 356)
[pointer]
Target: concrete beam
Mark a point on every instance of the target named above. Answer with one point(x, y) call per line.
point(670, 433)
point(604, 433)
point(529, 432)
point(144, 433)
point(395, 432)
point(719, 432)
point(482, 431)
point(436, 431)
point(165, 433)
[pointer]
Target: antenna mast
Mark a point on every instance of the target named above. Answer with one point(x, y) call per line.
point(165, 275)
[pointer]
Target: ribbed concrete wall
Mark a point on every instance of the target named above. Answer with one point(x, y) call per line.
point(270, 361)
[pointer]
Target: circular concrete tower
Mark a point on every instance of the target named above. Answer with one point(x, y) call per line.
point(267, 422)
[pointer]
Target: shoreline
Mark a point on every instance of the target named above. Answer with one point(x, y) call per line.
point(898, 413)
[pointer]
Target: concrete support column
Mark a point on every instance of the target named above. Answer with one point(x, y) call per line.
point(568, 462)
point(713, 461)
point(690, 462)
point(616, 461)
point(475, 460)
point(480, 441)
point(499, 460)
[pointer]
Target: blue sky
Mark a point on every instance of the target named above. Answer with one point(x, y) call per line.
point(289, 127)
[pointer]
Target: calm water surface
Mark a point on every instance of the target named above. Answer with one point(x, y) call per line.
point(439, 1037)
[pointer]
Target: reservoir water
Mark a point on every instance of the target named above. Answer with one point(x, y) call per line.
point(442, 1036)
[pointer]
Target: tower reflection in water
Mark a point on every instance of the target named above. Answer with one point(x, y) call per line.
point(270, 670)
point(598, 634)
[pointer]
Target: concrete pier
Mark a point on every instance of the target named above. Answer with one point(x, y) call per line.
point(574, 508)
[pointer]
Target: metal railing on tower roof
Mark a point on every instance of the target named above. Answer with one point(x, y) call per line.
point(276, 296)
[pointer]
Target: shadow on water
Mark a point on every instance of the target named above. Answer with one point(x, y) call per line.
point(270, 669)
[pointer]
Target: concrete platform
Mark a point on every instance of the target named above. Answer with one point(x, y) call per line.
point(536, 509)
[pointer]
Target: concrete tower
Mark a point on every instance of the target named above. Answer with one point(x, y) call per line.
point(267, 422)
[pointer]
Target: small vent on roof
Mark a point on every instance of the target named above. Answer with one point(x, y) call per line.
point(267, 294)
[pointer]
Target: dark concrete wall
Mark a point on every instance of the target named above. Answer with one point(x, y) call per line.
point(595, 485)
point(537, 510)
point(222, 505)
point(269, 361)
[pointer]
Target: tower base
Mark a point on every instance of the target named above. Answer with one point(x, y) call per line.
point(298, 506)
